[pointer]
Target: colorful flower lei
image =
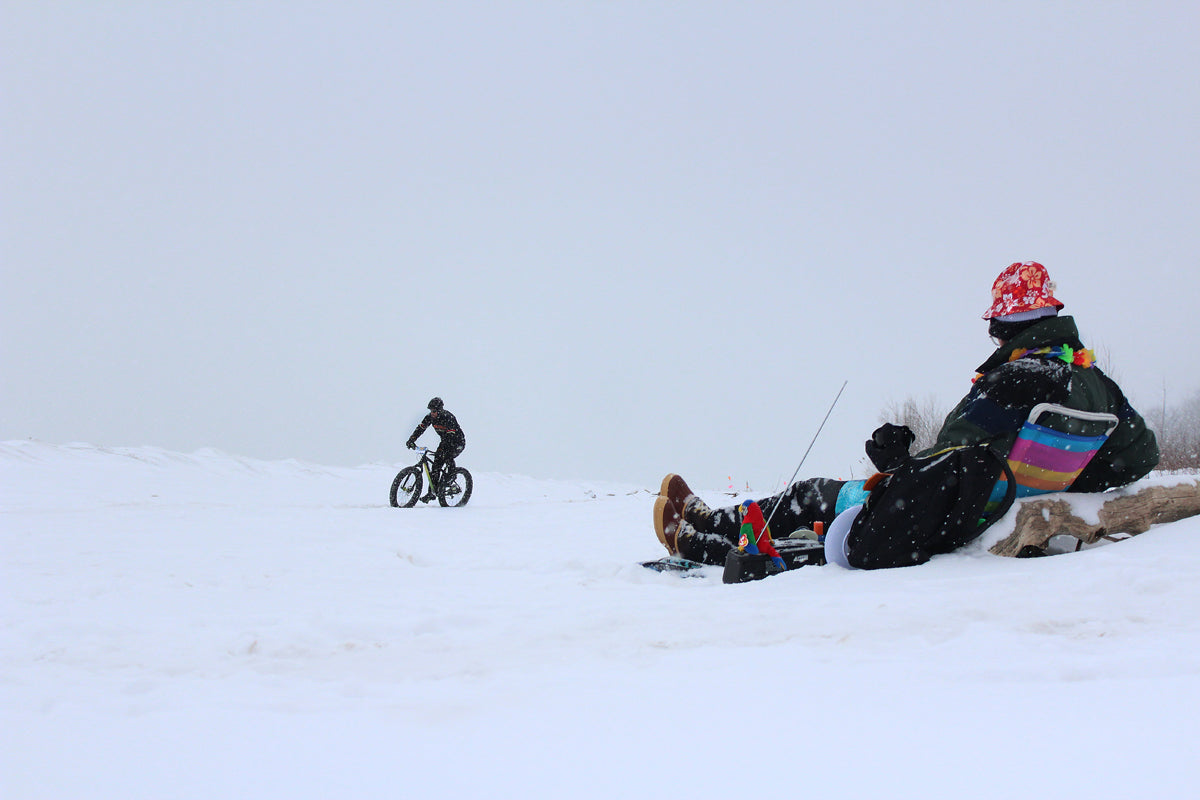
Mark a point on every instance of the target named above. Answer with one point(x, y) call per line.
point(1081, 358)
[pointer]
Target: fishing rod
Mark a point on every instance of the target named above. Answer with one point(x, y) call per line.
point(806, 452)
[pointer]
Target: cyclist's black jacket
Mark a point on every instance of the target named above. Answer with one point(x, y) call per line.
point(445, 425)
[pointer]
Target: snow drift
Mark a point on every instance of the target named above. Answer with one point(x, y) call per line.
point(202, 625)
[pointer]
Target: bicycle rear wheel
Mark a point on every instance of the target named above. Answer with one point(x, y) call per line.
point(406, 488)
point(457, 490)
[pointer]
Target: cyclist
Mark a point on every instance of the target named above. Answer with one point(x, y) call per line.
point(453, 442)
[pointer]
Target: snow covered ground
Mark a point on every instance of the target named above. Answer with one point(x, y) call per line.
point(207, 626)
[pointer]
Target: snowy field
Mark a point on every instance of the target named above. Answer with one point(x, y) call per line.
point(208, 626)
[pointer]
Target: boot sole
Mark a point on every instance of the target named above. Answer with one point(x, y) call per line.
point(665, 506)
point(661, 508)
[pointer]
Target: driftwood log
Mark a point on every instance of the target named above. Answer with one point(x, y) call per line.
point(1039, 520)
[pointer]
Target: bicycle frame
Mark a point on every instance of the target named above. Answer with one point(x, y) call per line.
point(426, 464)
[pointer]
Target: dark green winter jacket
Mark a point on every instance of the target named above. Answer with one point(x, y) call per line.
point(1007, 390)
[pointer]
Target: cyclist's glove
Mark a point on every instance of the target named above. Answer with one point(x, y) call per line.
point(412, 445)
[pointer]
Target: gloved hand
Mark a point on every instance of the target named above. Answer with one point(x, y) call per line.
point(888, 446)
point(412, 445)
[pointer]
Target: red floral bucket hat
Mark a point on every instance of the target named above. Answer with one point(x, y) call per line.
point(1024, 286)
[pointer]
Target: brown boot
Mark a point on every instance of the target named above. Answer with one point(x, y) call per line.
point(669, 506)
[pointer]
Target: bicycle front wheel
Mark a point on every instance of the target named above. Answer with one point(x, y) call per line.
point(457, 490)
point(406, 488)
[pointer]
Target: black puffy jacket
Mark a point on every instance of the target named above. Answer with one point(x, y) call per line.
point(1007, 389)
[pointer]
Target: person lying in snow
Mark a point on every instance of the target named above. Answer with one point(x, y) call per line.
point(1040, 359)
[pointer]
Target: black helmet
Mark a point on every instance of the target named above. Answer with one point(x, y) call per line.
point(436, 404)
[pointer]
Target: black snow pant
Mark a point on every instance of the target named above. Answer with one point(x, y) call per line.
point(802, 504)
point(443, 458)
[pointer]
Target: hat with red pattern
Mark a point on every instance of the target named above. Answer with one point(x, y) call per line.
point(1022, 288)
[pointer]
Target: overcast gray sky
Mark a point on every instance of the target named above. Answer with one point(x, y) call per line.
point(617, 238)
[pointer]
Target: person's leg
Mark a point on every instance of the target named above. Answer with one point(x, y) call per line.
point(443, 461)
point(802, 504)
point(439, 462)
point(709, 534)
point(452, 453)
point(437, 470)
